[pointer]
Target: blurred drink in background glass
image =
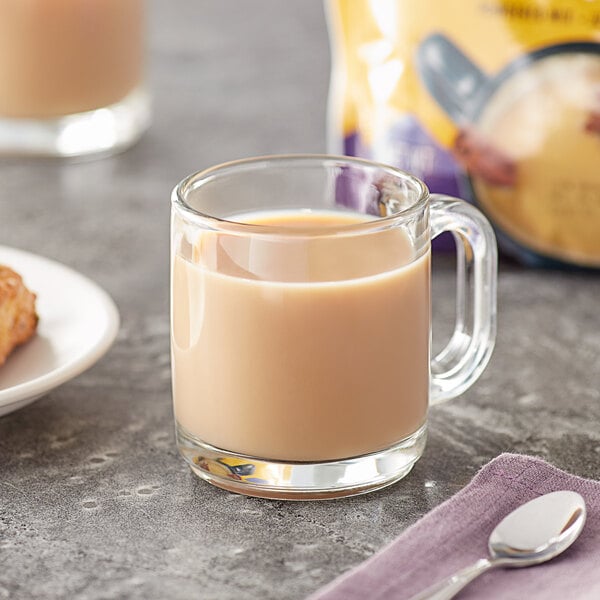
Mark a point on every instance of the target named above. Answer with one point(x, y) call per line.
point(71, 76)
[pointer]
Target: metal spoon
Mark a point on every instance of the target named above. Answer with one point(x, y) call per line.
point(532, 534)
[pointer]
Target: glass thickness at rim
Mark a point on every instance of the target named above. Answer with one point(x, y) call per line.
point(294, 161)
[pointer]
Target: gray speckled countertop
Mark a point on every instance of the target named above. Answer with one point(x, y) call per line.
point(94, 500)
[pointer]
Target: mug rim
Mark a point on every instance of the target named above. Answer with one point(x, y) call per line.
point(199, 178)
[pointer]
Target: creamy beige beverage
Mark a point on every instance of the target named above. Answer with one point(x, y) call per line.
point(301, 348)
point(59, 57)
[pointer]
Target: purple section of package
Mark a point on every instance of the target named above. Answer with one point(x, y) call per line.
point(410, 148)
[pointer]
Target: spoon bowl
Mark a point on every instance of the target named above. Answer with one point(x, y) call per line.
point(539, 530)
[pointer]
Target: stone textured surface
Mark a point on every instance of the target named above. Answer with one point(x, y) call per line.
point(94, 501)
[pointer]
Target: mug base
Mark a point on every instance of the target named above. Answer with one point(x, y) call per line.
point(102, 131)
point(288, 480)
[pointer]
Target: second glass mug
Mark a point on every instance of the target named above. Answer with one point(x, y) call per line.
point(71, 77)
point(300, 320)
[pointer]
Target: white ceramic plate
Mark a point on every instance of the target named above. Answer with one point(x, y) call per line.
point(78, 323)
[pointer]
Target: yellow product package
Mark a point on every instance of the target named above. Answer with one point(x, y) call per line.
point(496, 101)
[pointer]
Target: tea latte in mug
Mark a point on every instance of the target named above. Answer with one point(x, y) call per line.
point(312, 348)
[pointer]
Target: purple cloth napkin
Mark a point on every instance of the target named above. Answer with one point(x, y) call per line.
point(455, 534)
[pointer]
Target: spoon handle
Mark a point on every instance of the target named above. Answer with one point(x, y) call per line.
point(449, 587)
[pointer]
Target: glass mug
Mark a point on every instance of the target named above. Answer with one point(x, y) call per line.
point(71, 76)
point(300, 322)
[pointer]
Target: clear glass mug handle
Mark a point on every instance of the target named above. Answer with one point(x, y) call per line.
point(467, 353)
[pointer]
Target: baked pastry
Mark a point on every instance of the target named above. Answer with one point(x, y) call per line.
point(18, 319)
